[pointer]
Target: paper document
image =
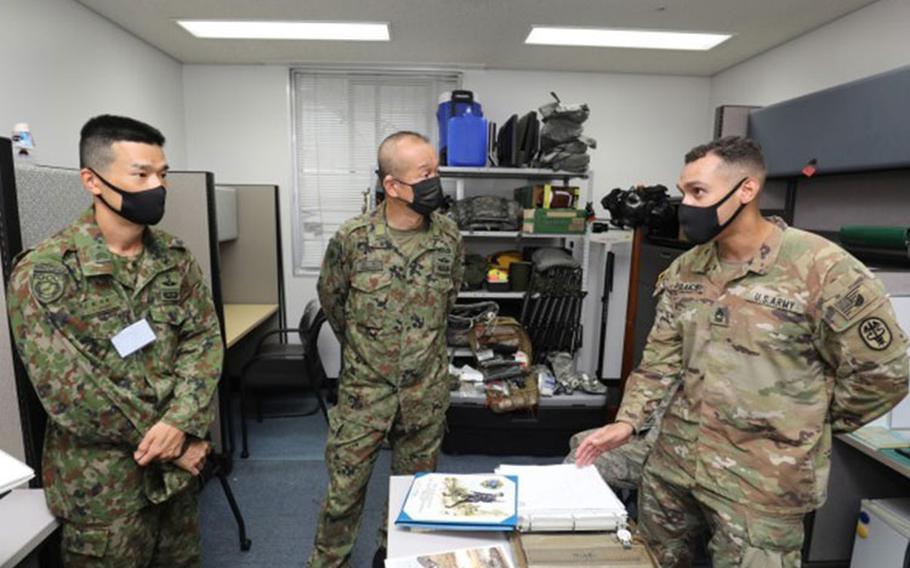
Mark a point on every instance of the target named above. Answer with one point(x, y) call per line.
point(13, 472)
point(470, 502)
point(565, 497)
point(487, 557)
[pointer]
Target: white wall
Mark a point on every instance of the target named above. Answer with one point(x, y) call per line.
point(63, 64)
point(869, 41)
point(643, 124)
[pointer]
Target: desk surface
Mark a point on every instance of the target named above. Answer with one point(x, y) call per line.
point(26, 522)
point(875, 454)
point(404, 542)
point(241, 319)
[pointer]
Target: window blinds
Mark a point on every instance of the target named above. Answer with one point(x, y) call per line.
point(339, 121)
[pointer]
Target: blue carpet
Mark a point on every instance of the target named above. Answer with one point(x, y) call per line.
point(280, 489)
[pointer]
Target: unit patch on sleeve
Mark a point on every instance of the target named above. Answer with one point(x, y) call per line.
point(875, 333)
point(48, 282)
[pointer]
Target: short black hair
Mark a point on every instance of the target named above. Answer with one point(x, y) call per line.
point(384, 155)
point(100, 132)
point(733, 150)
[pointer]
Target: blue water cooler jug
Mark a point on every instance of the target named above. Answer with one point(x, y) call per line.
point(453, 104)
point(467, 144)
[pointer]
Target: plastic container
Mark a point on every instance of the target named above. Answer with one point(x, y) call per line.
point(467, 140)
point(452, 104)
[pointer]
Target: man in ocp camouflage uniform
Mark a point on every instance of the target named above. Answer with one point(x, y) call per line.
point(779, 339)
point(126, 426)
point(388, 281)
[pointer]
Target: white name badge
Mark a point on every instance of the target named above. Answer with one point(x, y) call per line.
point(133, 338)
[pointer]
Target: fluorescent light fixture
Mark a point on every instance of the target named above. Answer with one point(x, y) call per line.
point(338, 31)
point(641, 39)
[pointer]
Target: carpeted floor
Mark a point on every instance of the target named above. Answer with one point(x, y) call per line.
point(280, 489)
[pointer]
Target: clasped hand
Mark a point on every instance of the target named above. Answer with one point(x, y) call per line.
point(165, 443)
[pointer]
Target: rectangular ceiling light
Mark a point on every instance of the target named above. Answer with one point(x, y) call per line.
point(329, 31)
point(640, 39)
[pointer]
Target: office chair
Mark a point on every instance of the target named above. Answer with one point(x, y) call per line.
point(275, 365)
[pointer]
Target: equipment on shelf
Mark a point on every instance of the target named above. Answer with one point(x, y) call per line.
point(464, 317)
point(475, 271)
point(551, 311)
point(641, 205)
point(562, 144)
point(486, 213)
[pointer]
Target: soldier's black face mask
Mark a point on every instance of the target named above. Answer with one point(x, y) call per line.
point(141, 207)
point(428, 196)
point(701, 224)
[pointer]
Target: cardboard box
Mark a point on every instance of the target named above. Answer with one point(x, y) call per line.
point(546, 196)
point(577, 550)
point(554, 221)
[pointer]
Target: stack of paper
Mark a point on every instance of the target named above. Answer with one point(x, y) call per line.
point(471, 502)
point(13, 472)
point(565, 497)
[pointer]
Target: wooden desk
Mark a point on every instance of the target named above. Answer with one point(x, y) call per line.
point(241, 319)
point(875, 454)
point(26, 522)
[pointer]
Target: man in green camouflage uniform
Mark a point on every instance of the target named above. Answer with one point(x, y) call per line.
point(125, 431)
point(388, 281)
point(779, 339)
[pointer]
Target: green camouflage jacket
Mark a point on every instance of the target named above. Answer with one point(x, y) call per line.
point(389, 313)
point(65, 303)
point(800, 343)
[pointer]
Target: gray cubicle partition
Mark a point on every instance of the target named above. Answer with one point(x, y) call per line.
point(38, 201)
point(251, 263)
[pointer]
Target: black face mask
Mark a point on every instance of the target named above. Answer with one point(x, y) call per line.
point(428, 196)
point(700, 224)
point(141, 207)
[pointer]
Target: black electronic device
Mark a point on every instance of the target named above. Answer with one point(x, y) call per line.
point(507, 143)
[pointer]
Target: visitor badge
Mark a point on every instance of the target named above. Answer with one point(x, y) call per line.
point(133, 338)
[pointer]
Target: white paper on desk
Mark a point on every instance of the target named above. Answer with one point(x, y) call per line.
point(564, 497)
point(486, 557)
point(13, 472)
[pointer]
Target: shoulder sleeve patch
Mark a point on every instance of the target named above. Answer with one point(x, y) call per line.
point(851, 305)
point(47, 282)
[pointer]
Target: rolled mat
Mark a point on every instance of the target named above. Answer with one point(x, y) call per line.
point(875, 236)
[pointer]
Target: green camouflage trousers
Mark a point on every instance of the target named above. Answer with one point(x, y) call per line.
point(158, 535)
point(672, 517)
point(350, 455)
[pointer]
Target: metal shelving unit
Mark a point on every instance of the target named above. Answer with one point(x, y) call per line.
point(460, 174)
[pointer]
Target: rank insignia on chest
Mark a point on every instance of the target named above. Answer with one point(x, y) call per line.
point(169, 289)
point(169, 294)
point(442, 266)
point(47, 285)
point(721, 316)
